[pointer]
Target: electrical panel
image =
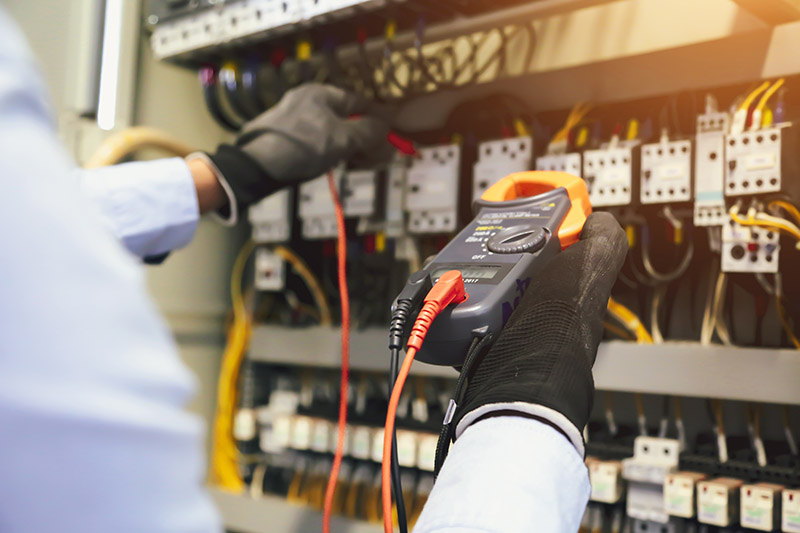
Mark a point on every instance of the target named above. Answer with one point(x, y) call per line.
point(666, 172)
point(761, 161)
point(271, 218)
point(432, 190)
point(570, 163)
point(498, 159)
point(749, 249)
point(270, 271)
point(718, 501)
point(611, 175)
point(315, 207)
point(709, 169)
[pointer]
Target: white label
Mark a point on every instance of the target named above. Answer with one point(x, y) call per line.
point(426, 455)
point(301, 433)
point(791, 511)
point(760, 161)
point(407, 448)
point(671, 172)
point(362, 442)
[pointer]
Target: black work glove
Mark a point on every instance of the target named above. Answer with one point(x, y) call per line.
point(541, 363)
point(305, 135)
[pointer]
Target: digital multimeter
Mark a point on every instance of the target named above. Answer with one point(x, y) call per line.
point(520, 222)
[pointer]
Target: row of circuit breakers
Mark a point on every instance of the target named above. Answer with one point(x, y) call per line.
point(420, 195)
point(659, 496)
point(183, 27)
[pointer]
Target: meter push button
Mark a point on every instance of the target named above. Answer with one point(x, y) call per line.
point(517, 240)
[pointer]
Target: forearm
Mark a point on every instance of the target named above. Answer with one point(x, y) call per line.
point(508, 474)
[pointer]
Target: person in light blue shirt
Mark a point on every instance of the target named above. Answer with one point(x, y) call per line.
point(95, 437)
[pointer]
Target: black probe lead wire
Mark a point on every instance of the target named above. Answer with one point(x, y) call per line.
point(397, 484)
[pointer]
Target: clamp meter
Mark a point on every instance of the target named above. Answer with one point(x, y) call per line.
point(520, 222)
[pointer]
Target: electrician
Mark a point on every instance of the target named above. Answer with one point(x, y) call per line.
point(94, 433)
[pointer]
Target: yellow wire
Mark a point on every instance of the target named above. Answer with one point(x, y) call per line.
point(767, 95)
point(619, 332)
point(734, 214)
point(785, 323)
point(630, 321)
point(786, 206)
point(224, 455)
point(129, 140)
point(748, 101)
point(311, 281)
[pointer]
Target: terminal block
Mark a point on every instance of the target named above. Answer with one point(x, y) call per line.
point(760, 507)
point(432, 190)
point(679, 493)
point(498, 159)
point(666, 172)
point(316, 209)
point(271, 217)
point(718, 501)
point(611, 175)
point(709, 169)
point(749, 249)
point(764, 161)
point(570, 163)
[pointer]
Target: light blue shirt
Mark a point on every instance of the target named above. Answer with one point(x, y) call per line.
point(95, 437)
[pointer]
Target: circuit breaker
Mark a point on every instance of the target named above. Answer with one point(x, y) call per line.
point(611, 175)
point(653, 459)
point(396, 175)
point(315, 207)
point(359, 193)
point(498, 159)
point(666, 172)
point(570, 163)
point(749, 249)
point(709, 169)
point(762, 161)
point(432, 190)
point(271, 217)
point(718, 501)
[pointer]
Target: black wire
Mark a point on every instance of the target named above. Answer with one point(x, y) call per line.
point(397, 485)
point(209, 81)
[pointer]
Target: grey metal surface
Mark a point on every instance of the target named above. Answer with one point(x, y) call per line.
point(271, 514)
point(677, 368)
point(689, 369)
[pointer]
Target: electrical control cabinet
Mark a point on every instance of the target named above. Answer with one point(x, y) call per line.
point(271, 218)
point(718, 501)
point(764, 161)
point(709, 169)
point(611, 175)
point(570, 163)
point(666, 172)
point(316, 209)
point(498, 159)
point(432, 190)
point(749, 249)
point(760, 507)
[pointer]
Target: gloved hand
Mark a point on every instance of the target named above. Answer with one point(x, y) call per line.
point(541, 364)
point(306, 134)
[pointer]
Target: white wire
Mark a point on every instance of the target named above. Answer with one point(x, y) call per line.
point(719, 302)
point(707, 330)
point(762, 280)
point(655, 332)
point(257, 483)
point(670, 276)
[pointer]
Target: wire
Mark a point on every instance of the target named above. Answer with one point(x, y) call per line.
point(787, 430)
point(719, 303)
point(257, 483)
point(311, 280)
point(782, 312)
point(209, 80)
point(224, 468)
point(618, 331)
point(397, 484)
point(641, 418)
point(722, 442)
point(129, 140)
point(655, 329)
point(762, 220)
point(344, 298)
point(790, 208)
point(630, 321)
point(669, 276)
point(755, 120)
point(707, 328)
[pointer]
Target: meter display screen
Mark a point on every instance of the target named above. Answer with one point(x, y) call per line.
point(486, 272)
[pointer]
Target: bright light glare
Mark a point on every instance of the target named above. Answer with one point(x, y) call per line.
point(109, 65)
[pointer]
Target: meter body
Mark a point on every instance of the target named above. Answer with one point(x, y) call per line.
point(499, 252)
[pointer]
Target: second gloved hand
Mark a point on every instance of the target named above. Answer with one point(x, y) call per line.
point(541, 364)
point(306, 134)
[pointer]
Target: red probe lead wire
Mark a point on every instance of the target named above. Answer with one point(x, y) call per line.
point(341, 253)
point(449, 289)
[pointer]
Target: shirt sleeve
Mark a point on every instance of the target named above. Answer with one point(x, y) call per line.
point(508, 474)
point(150, 206)
point(95, 437)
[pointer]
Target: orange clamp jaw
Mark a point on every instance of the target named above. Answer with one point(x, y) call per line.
point(535, 182)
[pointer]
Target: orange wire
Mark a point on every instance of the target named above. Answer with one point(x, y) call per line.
point(391, 414)
point(341, 252)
